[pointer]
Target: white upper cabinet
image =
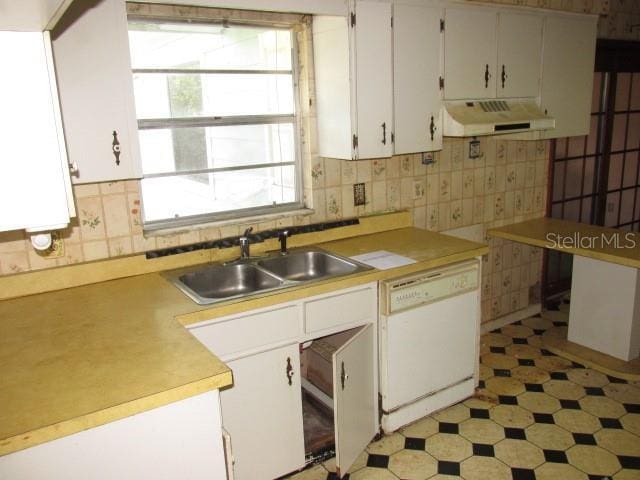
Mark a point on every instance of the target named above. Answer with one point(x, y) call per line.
point(519, 55)
point(417, 98)
point(353, 74)
point(35, 192)
point(491, 54)
point(567, 73)
point(470, 42)
point(374, 79)
point(91, 52)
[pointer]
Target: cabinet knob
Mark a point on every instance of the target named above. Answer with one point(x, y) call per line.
point(73, 169)
point(487, 76)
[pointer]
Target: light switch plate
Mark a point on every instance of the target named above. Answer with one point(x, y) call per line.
point(359, 197)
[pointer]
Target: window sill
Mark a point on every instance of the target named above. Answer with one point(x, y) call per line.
point(300, 212)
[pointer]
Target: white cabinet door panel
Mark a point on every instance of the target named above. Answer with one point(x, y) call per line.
point(354, 397)
point(35, 192)
point(519, 55)
point(263, 414)
point(333, 87)
point(417, 48)
point(567, 73)
point(374, 84)
point(96, 91)
point(470, 53)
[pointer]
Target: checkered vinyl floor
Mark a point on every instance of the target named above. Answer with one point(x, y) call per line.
point(535, 416)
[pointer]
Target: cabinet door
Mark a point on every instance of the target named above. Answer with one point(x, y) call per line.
point(469, 53)
point(263, 414)
point(417, 46)
point(35, 192)
point(335, 103)
point(91, 52)
point(519, 52)
point(354, 397)
point(373, 73)
point(567, 73)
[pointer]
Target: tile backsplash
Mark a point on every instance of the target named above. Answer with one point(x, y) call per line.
point(506, 184)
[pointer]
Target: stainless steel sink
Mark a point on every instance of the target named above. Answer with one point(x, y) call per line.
point(218, 282)
point(310, 265)
point(221, 282)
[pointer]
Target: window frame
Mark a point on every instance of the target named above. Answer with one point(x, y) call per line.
point(214, 16)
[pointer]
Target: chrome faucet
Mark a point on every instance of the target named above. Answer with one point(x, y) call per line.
point(244, 244)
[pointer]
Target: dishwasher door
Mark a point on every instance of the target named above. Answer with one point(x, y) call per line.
point(433, 345)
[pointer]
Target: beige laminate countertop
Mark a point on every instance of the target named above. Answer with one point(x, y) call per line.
point(590, 241)
point(81, 357)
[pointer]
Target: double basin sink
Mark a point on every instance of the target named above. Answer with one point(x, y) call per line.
point(220, 282)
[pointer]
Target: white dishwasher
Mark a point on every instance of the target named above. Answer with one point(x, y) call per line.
point(429, 327)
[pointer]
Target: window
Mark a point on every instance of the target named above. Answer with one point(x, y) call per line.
point(216, 109)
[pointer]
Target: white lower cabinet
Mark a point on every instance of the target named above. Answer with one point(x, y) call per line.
point(305, 391)
point(263, 414)
point(179, 440)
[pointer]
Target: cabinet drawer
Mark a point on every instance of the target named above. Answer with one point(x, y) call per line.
point(344, 308)
point(226, 338)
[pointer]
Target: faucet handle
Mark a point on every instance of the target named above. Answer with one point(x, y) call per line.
point(282, 236)
point(247, 232)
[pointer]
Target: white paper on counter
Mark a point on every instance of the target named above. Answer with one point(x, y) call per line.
point(383, 260)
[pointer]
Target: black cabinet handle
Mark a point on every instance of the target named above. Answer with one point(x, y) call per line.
point(503, 76)
point(432, 128)
point(487, 76)
point(289, 370)
point(343, 375)
point(115, 147)
point(384, 133)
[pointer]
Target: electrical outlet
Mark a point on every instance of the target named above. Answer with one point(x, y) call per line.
point(359, 197)
point(474, 149)
point(427, 158)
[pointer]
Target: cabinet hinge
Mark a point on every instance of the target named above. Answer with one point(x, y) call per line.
point(442, 24)
point(355, 141)
point(353, 19)
point(441, 82)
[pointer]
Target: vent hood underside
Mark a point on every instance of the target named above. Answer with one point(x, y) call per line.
point(471, 118)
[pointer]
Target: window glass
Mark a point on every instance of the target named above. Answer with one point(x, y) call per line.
point(217, 120)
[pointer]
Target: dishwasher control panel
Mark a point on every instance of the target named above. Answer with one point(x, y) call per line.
point(402, 294)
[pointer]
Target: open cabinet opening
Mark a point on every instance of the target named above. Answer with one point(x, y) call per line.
point(318, 370)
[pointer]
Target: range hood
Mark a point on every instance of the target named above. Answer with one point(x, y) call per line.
point(471, 118)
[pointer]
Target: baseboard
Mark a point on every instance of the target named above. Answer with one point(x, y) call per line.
point(530, 311)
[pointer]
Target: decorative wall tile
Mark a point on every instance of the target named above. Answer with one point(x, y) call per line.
point(120, 246)
point(95, 250)
point(116, 214)
point(332, 172)
point(379, 196)
point(378, 169)
point(364, 170)
point(91, 218)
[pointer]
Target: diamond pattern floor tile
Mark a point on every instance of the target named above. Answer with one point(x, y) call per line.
point(535, 416)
